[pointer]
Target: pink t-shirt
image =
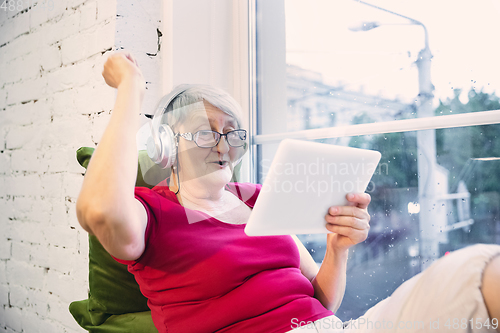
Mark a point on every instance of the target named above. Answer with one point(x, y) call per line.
point(203, 275)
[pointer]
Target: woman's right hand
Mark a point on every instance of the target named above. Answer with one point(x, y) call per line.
point(121, 67)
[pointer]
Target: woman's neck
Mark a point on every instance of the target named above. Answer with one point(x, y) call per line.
point(194, 193)
point(212, 200)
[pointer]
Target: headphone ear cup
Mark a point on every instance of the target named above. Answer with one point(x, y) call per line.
point(153, 150)
point(168, 149)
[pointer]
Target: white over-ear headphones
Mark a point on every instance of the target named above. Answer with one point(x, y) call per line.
point(162, 144)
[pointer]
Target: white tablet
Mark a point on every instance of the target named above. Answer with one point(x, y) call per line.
point(304, 180)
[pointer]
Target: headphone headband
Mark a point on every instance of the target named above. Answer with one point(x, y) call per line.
point(163, 104)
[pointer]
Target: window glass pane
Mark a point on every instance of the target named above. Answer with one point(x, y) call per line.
point(314, 70)
point(467, 208)
point(345, 62)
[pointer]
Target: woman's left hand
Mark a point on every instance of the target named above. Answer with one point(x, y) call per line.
point(349, 224)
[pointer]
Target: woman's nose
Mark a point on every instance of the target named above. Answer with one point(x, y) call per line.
point(223, 147)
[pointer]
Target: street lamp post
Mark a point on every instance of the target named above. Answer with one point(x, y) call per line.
point(430, 216)
point(430, 212)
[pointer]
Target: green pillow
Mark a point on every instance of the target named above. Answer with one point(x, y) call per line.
point(112, 288)
point(125, 323)
point(113, 292)
point(115, 303)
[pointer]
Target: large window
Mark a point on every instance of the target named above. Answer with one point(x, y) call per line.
point(409, 80)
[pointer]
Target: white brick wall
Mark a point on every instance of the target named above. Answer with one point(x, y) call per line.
point(53, 100)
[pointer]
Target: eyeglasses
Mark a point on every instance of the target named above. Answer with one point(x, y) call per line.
point(209, 139)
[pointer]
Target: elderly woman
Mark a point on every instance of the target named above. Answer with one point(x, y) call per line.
point(184, 239)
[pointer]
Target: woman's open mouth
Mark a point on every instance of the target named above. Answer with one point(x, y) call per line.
point(222, 164)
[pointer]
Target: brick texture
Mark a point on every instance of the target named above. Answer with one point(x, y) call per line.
point(54, 100)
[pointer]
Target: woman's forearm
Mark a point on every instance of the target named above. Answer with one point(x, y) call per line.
point(349, 226)
point(329, 284)
point(108, 186)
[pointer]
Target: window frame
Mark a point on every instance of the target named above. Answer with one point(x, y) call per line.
point(210, 45)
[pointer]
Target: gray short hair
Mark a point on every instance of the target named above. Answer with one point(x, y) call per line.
point(181, 106)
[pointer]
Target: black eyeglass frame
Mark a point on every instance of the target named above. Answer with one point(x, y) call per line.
point(193, 137)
